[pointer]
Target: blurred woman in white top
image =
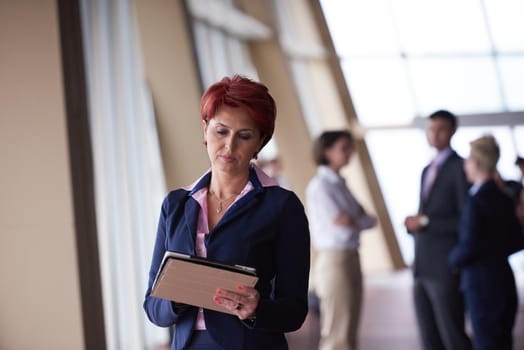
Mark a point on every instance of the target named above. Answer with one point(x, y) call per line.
point(336, 221)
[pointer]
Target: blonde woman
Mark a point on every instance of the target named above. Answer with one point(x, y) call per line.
point(487, 233)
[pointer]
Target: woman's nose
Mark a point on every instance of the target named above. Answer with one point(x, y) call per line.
point(230, 142)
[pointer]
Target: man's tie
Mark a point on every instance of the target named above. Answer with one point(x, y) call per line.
point(431, 174)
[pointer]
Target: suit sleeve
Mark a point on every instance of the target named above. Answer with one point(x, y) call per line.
point(469, 247)
point(288, 309)
point(160, 311)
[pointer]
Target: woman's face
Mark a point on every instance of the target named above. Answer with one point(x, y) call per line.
point(339, 154)
point(232, 138)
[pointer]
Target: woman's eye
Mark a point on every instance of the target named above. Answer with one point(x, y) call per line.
point(221, 131)
point(245, 136)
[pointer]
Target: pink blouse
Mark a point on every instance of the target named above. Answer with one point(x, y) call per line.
point(203, 231)
point(203, 228)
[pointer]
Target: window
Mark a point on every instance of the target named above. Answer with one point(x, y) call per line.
point(221, 32)
point(129, 180)
point(403, 60)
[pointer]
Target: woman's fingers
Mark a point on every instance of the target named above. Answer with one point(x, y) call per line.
point(242, 303)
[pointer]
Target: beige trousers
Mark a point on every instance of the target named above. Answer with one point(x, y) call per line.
point(338, 283)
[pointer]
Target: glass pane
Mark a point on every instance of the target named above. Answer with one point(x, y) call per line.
point(441, 26)
point(462, 85)
point(363, 27)
point(506, 23)
point(239, 59)
point(380, 91)
point(519, 135)
point(302, 80)
point(220, 63)
point(512, 75)
point(204, 55)
point(399, 157)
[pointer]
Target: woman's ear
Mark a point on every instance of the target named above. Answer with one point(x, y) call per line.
point(205, 124)
point(204, 128)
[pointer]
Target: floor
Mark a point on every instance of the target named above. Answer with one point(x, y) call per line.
point(388, 320)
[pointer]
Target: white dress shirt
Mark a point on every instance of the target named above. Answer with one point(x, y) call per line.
point(327, 195)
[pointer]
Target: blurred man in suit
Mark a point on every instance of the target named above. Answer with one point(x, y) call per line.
point(438, 302)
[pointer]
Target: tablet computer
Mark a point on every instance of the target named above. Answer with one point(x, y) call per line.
point(194, 280)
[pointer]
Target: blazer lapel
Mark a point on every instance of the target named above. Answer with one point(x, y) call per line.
point(244, 204)
point(192, 209)
point(441, 169)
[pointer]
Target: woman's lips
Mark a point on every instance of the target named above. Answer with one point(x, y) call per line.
point(227, 158)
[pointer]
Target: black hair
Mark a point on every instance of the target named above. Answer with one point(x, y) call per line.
point(326, 140)
point(444, 114)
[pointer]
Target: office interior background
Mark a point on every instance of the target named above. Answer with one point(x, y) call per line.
point(99, 118)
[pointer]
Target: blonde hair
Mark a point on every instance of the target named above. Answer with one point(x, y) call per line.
point(485, 150)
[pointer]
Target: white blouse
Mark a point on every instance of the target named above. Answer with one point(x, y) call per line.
point(327, 195)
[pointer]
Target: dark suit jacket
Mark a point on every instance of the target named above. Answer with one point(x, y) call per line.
point(443, 208)
point(487, 230)
point(266, 229)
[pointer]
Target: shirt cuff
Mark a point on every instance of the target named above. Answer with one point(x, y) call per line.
point(424, 220)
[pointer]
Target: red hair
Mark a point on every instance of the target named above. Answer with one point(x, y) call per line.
point(241, 92)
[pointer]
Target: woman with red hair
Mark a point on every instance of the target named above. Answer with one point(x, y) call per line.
point(236, 214)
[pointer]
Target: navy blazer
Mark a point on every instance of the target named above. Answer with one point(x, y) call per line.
point(488, 228)
point(443, 207)
point(266, 229)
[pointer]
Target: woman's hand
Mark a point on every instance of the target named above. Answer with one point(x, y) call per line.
point(242, 302)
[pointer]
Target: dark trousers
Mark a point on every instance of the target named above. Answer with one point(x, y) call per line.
point(440, 315)
point(492, 320)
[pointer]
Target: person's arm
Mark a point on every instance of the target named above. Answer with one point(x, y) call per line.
point(468, 247)
point(363, 219)
point(414, 223)
point(324, 210)
point(458, 195)
point(161, 312)
point(321, 202)
point(287, 311)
